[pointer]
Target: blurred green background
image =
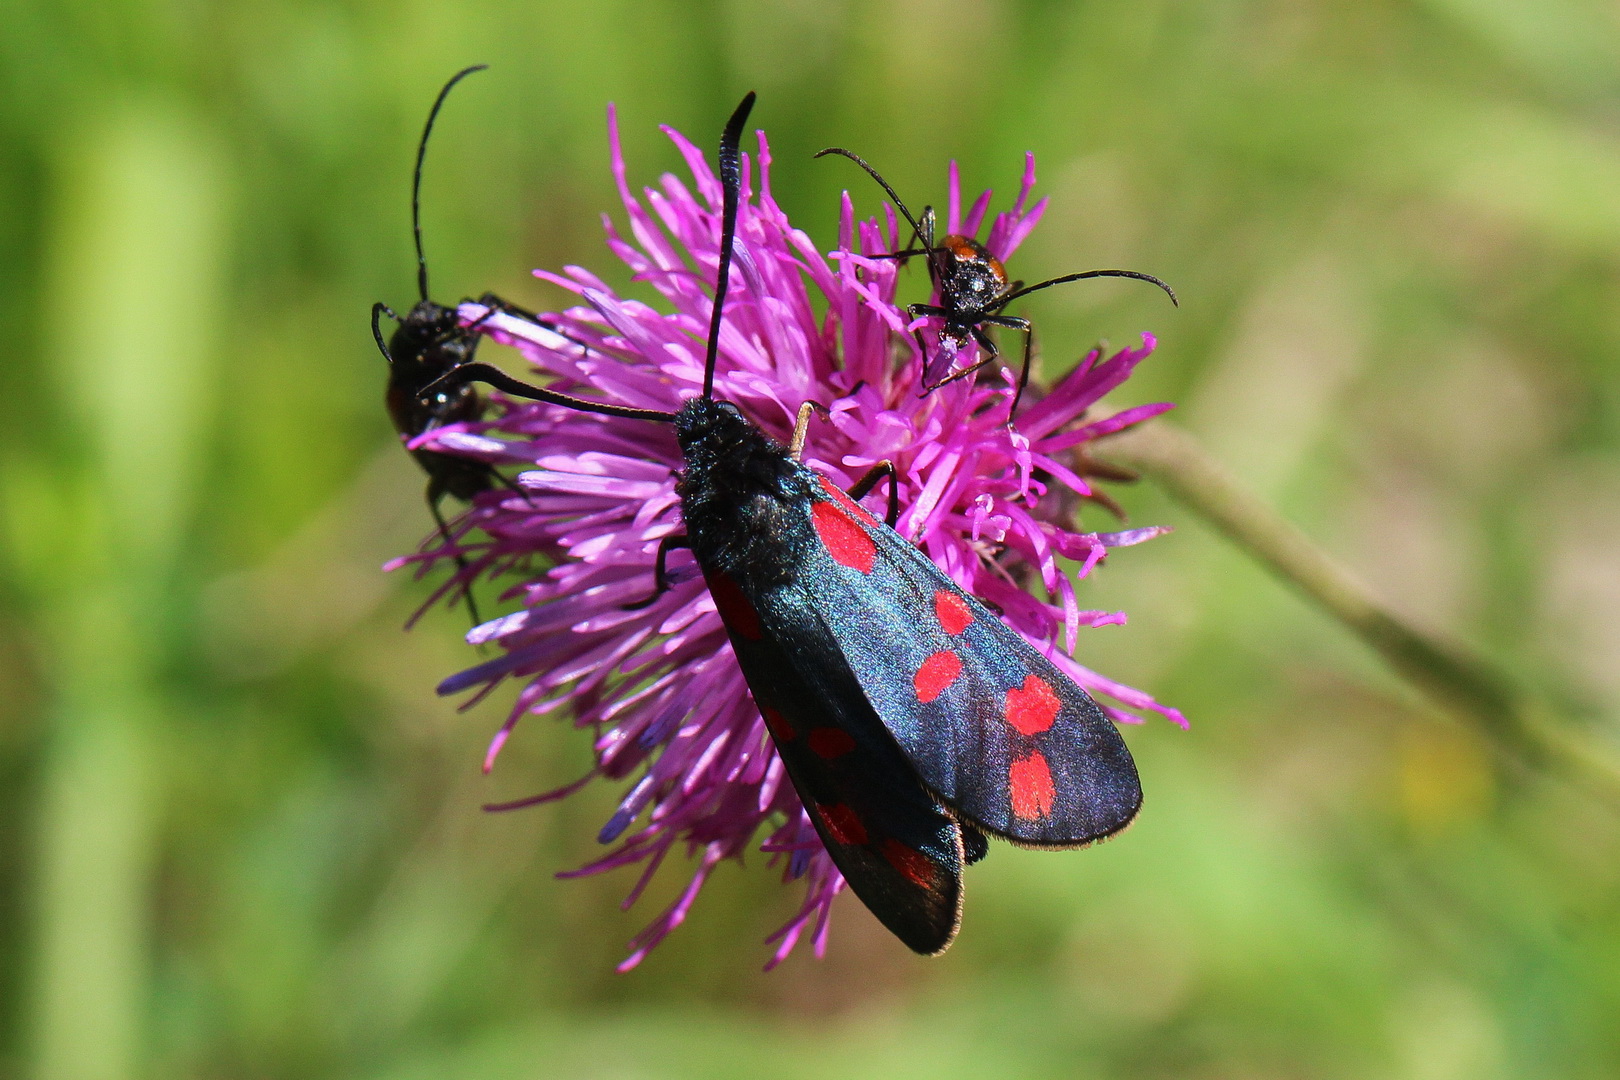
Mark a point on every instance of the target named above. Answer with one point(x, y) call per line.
point(240, 837)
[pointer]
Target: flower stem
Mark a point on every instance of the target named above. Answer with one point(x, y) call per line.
point(1461, 682)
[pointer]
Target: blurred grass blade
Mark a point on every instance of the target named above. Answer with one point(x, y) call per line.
point(1456, 679)
point(134, 293)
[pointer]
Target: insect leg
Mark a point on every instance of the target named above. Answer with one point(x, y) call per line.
point(1023, 372)
point(922, 350)
point(801, 427)
point(916, 237)
point(435, 495)
point(378, 310)
point(921, 234)
point(660, 570)
point(1012, 322)
point(512, 485)
point(917, 311)
point(991, 351)
point(863, 487)
point(500, 303)
point(506, 307)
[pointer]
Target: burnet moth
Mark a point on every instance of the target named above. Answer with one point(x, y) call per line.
point(429, 342)
point(911, 721)
point(973, 292)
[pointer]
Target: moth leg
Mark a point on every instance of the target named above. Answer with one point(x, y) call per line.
point(866, 483)
point(801, 427)
point(435, 495)
point(660, 571)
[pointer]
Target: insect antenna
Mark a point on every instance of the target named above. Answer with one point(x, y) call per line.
point(1138, 275)
point(416, 180)
point(731, 189)
point(926, 236)
point(731, 192)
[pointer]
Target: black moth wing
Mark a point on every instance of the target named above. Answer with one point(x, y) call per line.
point(1007, 741)
point(896, 846)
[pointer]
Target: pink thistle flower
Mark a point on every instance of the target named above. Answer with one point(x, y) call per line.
point(658, 685)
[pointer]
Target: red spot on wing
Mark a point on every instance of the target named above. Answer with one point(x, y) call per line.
point(735, 610)
point(1033, 792)
point(916, 866)
point(843, 537)
point(830, 742)
point(841, 497)
point(843, 824)
point(936, 675)
point(952, 612)
point(1031, 708)
point(777, 725)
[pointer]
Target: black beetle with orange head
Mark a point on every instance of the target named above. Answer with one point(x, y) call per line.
point(429, 342)
point(973, 292)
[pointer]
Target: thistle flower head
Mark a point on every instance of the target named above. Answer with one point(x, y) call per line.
point(657, 685)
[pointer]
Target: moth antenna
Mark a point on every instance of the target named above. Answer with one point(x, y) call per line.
point(926, 237)
point(731, 192)
point(416, 181)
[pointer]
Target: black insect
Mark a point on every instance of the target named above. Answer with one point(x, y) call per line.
point(912, 721)
point(429, 342)
point(973, 291)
